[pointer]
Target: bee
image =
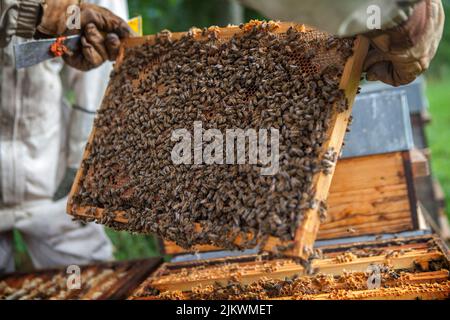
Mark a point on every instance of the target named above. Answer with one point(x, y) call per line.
point(351, 230)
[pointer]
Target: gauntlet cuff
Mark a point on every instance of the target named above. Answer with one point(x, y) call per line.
point(29, 14)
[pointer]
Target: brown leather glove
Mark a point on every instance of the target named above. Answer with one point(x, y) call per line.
point(101, 32)
point(398, 55)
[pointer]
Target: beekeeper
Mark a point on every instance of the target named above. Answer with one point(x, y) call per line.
point(41, 141)
point(404, 34)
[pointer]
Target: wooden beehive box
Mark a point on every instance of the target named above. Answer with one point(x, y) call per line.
point(412, 268)
point(107, 281)
point(307, 230)
point(370, 195)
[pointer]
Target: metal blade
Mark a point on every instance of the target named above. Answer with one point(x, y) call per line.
point(30, 53)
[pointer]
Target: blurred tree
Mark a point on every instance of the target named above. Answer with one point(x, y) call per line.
point(181, 15)
point(441, 64)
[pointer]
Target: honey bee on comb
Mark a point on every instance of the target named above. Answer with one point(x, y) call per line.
point(292, 288)
point(257, 79)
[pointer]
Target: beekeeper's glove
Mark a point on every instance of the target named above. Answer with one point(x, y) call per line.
point(398, 55)
point(101, 31)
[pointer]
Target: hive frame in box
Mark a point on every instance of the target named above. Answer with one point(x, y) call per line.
point(417, 251)
point(134, 273)
point(306, 233)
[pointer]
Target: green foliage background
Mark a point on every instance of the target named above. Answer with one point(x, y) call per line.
point(181, 15)
point(440, 67)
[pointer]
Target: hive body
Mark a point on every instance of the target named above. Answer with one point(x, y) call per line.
point(94, 282)
point(402, 268)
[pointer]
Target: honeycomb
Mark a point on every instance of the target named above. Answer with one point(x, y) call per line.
point(257, 76)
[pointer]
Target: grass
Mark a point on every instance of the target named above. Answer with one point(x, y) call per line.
point(438, 132)
point(128, 246)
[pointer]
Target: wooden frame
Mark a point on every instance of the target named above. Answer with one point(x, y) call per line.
point(306, 233)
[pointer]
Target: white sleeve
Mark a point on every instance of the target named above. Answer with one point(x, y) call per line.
point(89, 89)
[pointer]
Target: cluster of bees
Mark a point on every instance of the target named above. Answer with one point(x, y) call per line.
point(36, 289)
point(54, 287)
point(266, 288)
point(257, 79)
point(230, 270)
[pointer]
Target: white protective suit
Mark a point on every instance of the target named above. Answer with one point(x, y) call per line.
point(39, 139)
